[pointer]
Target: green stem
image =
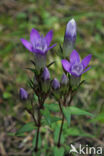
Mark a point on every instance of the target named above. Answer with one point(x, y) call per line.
point(60, 133)
point(62, 123)
point(37, 139)
point(38, 127)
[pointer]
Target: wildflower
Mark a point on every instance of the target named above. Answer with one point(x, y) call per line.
point(23, 94)
point(46, 74)
point(55, 84)
point(70, 37)
point(39, 45)
point(76, 67)
point(64, 79)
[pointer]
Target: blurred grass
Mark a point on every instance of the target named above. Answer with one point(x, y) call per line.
point(17, 18)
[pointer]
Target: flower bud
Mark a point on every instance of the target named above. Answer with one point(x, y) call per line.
point(64, 79)
point(23, 94)
point(46, 74)
point(70, 37)
point(55, 84)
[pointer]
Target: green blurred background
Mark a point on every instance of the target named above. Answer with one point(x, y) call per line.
point(17, 18)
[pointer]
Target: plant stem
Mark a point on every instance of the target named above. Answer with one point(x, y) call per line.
point(38, 128)
point(61, 128)
point(62, 123)
point(37, 139)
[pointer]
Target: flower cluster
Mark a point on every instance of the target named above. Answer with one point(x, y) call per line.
point(42, 84)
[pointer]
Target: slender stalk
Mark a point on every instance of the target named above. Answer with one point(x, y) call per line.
point(37, 139)
point(38, 127)
point(31, 113)
point(62, 123)
point(60, 133)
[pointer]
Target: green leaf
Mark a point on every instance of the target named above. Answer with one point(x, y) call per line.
point(6, 95)
point(52, 107)
point(59, 151)
point(73, 131)
point(33, 70)
point(99, 118)
point(77, 111)
point(48, 117)
point(26, 128)
point(67, 114)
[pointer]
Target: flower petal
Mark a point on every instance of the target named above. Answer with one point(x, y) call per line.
point(70, 33)
point(27, 44)
point(66, 65)
point(86, 70)
point(48, 37)
point(86, 60)
point(38, 51)
point(51, 46)
point(74, 57)
point(34, 35)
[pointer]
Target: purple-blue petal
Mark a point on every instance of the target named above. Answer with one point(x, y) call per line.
point(86, 70)
point(27, 44)
point(48, 37)
point(23, 94)
point(66, 65)
point(70, 33)
point(64, 79)
point(55, 84)
point(34, 35)
point(38, 51)
point(86, 61)
point(74, 57)
point(46, 74)
point(51, 47)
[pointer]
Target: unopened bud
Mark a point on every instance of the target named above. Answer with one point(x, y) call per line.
point(23, 94)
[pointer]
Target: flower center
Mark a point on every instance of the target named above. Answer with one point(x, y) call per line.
point(41, 44)
point(77, 69)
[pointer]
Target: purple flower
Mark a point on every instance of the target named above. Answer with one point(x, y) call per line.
point(70, 37)
point(55, 84)
point(46, 74)
point(70, 33)
point(76, 67)
point(64, 79)
point(38, 44)
point(23, 94)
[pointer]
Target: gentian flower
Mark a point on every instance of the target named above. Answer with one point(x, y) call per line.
point(70, 37)
point(39, 45)
point(76, 67)
point(64, 79)
point(55, 84)
point(23, 94)
point(46, 74)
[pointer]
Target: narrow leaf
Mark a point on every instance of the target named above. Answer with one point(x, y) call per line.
point(77, 111)
point(26, 128)
point(58, 151)
point(67, 114)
